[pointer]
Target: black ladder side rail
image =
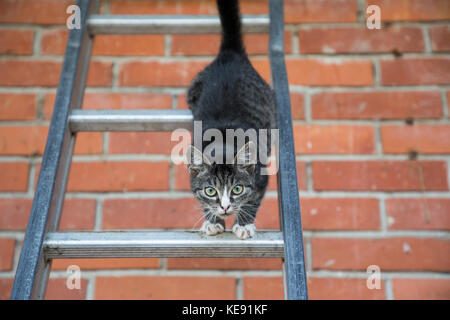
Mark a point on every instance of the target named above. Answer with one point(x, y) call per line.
point(33, 270)
point(294, 277)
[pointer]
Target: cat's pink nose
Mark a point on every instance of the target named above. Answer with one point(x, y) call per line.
point(226, 208)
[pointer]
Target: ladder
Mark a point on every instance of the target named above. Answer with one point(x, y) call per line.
point(43, 242)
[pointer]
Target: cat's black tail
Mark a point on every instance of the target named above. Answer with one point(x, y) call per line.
point(231, 25)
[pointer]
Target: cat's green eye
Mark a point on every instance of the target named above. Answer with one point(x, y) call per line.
point(210, 192)
point(238, 189)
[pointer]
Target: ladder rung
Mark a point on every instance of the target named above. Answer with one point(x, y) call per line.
point(181, 24)
point(163, 244)
point(130, 120)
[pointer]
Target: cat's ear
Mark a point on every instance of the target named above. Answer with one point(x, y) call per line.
point(197, 162)
point(246, 157)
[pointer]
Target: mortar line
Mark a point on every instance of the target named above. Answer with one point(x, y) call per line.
point(388, 289)
point(426, 39)
point(445, 110)
point(98, 218)
point(359, 274)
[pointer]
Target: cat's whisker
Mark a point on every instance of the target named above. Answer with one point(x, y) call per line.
point(196, 222)
point(246, 214)
point(206, 216)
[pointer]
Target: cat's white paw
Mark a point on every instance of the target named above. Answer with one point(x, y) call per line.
point(211, 229)
point(244, 232)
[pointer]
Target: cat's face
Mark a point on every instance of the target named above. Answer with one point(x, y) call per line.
point(222, 189)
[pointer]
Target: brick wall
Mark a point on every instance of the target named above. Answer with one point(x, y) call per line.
point(372, 137)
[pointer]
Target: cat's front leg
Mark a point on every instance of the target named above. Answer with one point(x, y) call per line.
point(244, 227)
point(213, 226)
point(245, 231)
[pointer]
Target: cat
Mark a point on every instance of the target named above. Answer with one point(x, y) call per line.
point(230, 94)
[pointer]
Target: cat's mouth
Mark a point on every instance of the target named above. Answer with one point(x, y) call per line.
point(225, 215)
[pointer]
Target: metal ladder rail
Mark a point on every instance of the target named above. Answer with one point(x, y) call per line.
point(33, 270)
point(294, 275)
point(26, 286)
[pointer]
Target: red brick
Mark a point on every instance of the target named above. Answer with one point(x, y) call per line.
point(14, 213)
point(263, 288)
point(29, 73)
point(177, 74)
point(30, 140)
point(18, 106)
point(415, 71)
point(77, 214)
point(113, 101)
point(268, 215)
point(440, 36)
point(54, 43)
point(133, 45)
point(166, 7)
point(295, 10)
point(47, 73)
point(106, 263)
point(133, 100)
point(421, 289)
point(310, 11)
point(100, 74)
point(181, 102)
point(262, 66)
point(419, 138)
point(412, 10)
point(140, 142)
point(224, 264)
point(45, 12)
point(418, 214)
point(325, 214)
point(7, 253)
point(88, 143)
point(319, 73)
point(182, 181)
point(340, 213)
point(57, 290)
point(18, 42)
point(316, 139)
point(118, 176)
point(5, 288)
point(165, 288)
point(271, 288)
point(390, 254)
point(377, 105)
point(360, 40)
point(313, 72)
point(297, 106)
point(208, 44)
point(151, 213)
point(380, 175)
point(343, 289)
point(14, 176)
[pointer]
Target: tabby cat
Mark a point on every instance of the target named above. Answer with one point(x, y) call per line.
point(230, 94)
